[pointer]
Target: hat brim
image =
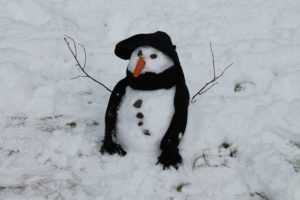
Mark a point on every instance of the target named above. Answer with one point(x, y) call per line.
point(158, 40)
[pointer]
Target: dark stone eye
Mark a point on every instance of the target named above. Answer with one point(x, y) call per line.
point(140, 53)
point(153, 56)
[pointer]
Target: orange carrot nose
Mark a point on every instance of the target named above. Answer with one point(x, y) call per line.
point(139, 67)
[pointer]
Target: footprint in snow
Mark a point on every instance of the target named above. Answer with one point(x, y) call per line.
point(243, 86)
point(216, 158)
point(18, 120)
point(50, 123)
point(252, 196)
point(60, 122)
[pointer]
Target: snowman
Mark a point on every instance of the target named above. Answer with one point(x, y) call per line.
point(147, 110)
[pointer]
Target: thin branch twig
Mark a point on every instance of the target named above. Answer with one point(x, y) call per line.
point(76, 77)
point(213, 59)
point(82, 68)
point(74, 44)
point(208, 88)
point(212, 82)
point(84, 64)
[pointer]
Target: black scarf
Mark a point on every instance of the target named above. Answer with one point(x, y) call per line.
point(153, 81)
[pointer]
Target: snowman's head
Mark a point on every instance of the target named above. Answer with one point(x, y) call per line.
point(148, 59)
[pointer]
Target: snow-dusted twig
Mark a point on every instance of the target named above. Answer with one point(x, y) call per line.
point(82, 68)
point(211, 83)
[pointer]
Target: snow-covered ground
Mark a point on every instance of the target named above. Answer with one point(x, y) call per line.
point(243, 136)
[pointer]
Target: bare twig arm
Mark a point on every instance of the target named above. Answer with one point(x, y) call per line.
point(82, 68)
point(84, 64)
point(76, 77)
point(213, 59)
point(211, 83)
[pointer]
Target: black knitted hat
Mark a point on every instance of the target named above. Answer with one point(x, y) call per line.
point(159, 40)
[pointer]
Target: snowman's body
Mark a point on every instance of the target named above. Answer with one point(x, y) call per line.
point(141, 126)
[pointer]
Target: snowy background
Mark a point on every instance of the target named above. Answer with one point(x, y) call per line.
point(243, 136)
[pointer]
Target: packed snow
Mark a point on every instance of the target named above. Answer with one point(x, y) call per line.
point(243, 136)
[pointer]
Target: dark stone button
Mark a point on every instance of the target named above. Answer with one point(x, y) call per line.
point(140, 124)
point(146, 132)
point(138, 103)
point(140, 115)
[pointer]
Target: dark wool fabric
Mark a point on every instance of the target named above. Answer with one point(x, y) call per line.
point(152, 81)
point(159, 40)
